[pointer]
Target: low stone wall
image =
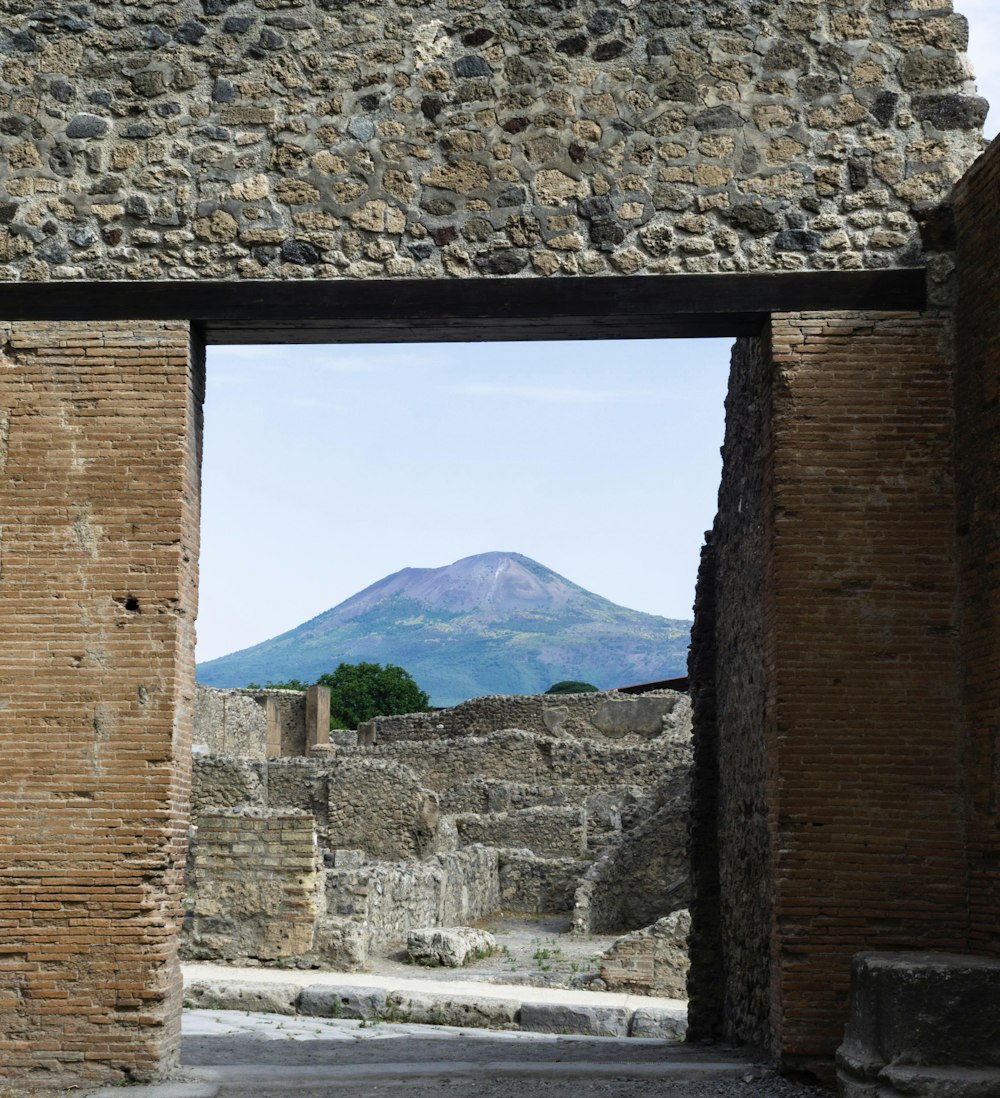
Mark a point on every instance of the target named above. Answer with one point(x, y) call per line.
point(377, 904)
point(651, 961)
point(592, 715)
point(643, 876)
point(538, 885)
point(257, 885)
point(548, 832)
point(250, 723)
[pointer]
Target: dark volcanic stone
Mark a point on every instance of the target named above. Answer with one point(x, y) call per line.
point(438, 207)
point(670, 13)
point(13, 126)
point(299, 251)
point(573, 46)
point(444, 235)
point(786, 56)
point(599, 206)
point(516, 125)
point(797, 240)
point(54, 252)
point(24, 42)
point(606, 233)
point(237, 24)
point(216, 7)
point(951, 112)
point(7, 211)
point(420, 250)
point(512, 196)
point(937, 227)
point(478, 37)
point(884, 107)
point(502, 263)
point(431, 106)
point(156, 37)
point(754, 219)
point(717, 118)
point(224, 91)
point(87, 125)
point(472, 65)
point(857, 173)
point(602, 21)
point(61, 91)
point(658, 47)
point(167, 110)
point(190, 32)
point(608, 51)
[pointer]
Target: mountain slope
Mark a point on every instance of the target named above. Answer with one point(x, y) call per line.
point(496, 623)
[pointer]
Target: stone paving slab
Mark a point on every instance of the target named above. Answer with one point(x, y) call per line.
point(369, 997)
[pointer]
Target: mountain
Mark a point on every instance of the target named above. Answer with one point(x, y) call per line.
point(496, 623)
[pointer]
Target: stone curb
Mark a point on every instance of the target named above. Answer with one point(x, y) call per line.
point(378, 1004)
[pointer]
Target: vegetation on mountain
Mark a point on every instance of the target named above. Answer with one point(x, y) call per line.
point(572, 686)
point(495, 623)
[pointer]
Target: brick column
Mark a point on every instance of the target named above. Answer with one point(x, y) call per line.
point(99, 494)
point(861, 722)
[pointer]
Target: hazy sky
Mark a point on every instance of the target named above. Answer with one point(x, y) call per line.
point(327, 468)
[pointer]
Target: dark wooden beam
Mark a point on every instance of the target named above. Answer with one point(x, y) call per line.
point(426, 310)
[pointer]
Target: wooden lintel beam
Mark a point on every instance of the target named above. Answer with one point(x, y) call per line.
point(404, 310)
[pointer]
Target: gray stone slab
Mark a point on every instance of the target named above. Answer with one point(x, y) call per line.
point(234, 995)
point(451, 1010)
point(334, 1001)
point(665, 1025)
point(588, 1020)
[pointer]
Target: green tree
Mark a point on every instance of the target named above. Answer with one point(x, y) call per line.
point(360, 691)
point(571, 686)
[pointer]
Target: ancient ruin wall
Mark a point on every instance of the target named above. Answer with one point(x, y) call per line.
point(99, 456)
point(850, 487)
point(259, 139)
point(977, 389)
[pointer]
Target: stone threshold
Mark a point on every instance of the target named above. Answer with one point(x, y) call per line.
point(366, 997)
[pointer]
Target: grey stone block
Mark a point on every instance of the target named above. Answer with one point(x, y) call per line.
point(666, 1025)
point(334, 1001)
point(231, 995)
point(449, 946)
point(450, 1010)
point(559, 1018)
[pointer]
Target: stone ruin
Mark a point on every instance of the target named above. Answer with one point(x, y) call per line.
point(327, 853)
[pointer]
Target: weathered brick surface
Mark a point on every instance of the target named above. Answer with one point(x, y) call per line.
point(977, 391)
point(845, 512)
point(99, 490)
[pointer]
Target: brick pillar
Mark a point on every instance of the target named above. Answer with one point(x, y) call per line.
point(99, 494)
point(977, 392)
point(861, 721)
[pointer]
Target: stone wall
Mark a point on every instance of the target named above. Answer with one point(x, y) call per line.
point(977, 435)
point(546, 831)
point(99, 487)
point(605, 714)
point(258, 886)
point(843, 614)
point(255, 724)
point(644, 876)
point(247, 140)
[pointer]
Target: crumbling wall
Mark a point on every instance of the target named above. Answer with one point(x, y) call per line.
point(645, 875)
point(650, 961)
point(256, 724)
point(380, 807)
point(258, 886)
point(604, 714)
point(547, 831)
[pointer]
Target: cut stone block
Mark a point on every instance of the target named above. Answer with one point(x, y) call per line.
point(665, 1025)
point(331, 1001)
point(589, 1021)
point(922, 1024)
point(449, 946)
point(262, 997)
point(451, 1010)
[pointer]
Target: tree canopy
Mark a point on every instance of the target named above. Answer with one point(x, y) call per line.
point(360, 691)
point(572, 686)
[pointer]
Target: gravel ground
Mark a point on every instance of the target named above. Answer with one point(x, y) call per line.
point(537, 951)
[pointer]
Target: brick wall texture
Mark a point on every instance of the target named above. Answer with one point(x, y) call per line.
point(977, 391)
point(99, 490)
point(840, 823)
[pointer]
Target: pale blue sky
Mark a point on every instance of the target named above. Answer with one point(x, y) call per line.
point(327, 468)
